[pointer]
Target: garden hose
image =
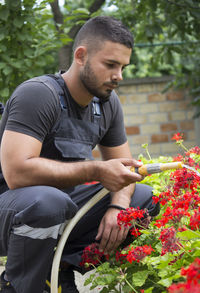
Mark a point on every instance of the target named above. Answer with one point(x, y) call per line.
point(147, 169)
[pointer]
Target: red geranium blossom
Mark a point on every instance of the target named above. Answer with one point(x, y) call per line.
point(138, 253)
point(92, 255)
point(192, 284)
point(195, 220)
point(177, 136)
point(169, 240)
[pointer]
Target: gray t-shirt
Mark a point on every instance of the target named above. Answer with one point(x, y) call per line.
point(33, 109)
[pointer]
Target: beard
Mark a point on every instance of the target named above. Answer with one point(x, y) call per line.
point(90, 82)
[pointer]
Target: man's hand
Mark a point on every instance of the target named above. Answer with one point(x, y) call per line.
point(109, 233)
point(114, 174)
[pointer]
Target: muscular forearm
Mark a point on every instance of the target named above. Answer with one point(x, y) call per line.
point(123, 196)
point(41, 171)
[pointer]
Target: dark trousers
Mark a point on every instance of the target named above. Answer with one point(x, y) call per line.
point(31, 219)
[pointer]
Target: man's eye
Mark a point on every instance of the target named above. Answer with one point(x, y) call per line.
point(110, 65)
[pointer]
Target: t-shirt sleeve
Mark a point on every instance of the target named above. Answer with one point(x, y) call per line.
point(116, 134)
point(33, 109)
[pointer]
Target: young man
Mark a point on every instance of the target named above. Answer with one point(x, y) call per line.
point(46, 157)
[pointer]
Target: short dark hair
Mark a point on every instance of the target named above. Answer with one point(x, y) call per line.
point(103, 28)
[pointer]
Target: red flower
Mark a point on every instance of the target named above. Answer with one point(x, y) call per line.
point(120, 257)
point(169, 241)
point(177, 136)
point(192, 272)
point(130, 215)
point(194, 150)
point(178, 158)
point(138, 253)
point(135, 232)
point(92, 255)
point(192, 284)
point(184, 288)
point(195, 220)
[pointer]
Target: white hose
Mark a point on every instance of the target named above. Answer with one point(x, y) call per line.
point(69, 226)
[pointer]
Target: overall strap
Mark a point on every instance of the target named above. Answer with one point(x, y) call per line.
point(96, 110)
point(1, 108)
point(53, 85)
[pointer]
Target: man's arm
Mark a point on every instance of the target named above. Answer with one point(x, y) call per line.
point(109, 234)
point(123, 196)
point(22, 166)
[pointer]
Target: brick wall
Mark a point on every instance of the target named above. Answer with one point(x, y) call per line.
point(153, 117)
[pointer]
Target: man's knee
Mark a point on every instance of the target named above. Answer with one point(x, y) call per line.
point(142, 198)
point(43, 206)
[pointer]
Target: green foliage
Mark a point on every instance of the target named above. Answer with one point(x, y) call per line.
point(27, 43)
point(156, 272)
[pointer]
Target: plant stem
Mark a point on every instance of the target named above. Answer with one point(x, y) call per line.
point(131, 286)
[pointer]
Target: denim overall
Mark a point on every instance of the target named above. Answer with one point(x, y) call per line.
point(32, 218)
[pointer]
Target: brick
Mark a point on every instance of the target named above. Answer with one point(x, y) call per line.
point(158, 117)
point(131, 130)
point(191, 135)
point(146, 88)
point(158, 138)
point(136, 119)
point(168, 127)
point(174, 96)
point(167, 106)
point(177, 116)
point(128, 89)
point(130, 109)
point(154, 149)
point(137, 98)
point(160, 86)
point(183, 105)
point(149, 108)
point(187, 125)
point(169, 149)
point(156, 97)
point(150, 128)
point(136, 151)
point(190, 114)
point(123, 100)
point(138, 139)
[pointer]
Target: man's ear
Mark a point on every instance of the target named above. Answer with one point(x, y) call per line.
point(80, 55)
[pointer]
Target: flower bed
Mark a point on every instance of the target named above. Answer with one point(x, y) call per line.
point(164, 255)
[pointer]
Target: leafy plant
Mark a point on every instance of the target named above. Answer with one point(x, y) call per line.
point(27, 43)
point(164, 255)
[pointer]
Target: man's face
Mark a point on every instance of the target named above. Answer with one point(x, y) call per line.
point(103, 70)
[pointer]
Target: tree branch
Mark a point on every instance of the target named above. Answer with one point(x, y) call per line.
point(96, 5)
point(182, 5)
point(66, 50)
point(57, 15)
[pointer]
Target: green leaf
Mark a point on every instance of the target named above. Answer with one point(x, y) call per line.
point(165, 282)
point(2, 65)
point(4, 13)
point(81, 11)
point(149, 290)
point(139, 278)
point(4, 92)
point(7, 70)
point(188, 235)
point(2, 36)
point(18, 22)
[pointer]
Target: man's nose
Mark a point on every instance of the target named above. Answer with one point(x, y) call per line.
point(117, 75)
